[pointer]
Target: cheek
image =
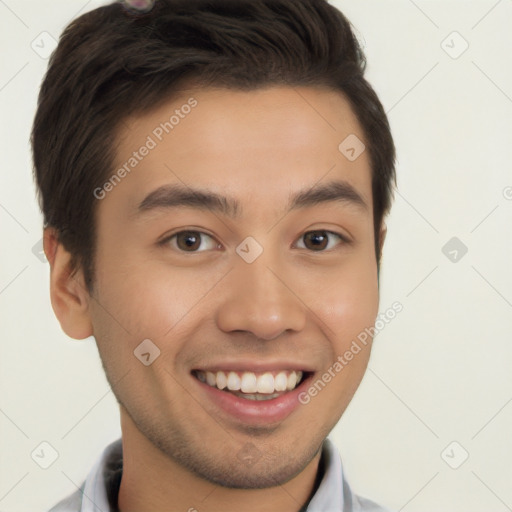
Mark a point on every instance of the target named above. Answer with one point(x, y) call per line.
point(348, 303)
point(149, 300)
point(137, 303)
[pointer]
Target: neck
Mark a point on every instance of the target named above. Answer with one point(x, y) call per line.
point(153, 481)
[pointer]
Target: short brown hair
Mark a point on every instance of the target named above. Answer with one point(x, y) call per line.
point(113, 62)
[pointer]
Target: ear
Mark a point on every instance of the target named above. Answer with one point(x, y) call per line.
point(68, 293)
point(382, 237)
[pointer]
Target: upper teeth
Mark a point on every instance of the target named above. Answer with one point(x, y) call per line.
point(249, 382)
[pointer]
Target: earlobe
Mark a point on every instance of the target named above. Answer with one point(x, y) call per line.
point(68, 293)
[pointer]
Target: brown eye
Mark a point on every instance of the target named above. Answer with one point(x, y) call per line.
point(319, 240)
point(190, 241)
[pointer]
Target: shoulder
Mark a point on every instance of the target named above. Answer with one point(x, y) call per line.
point(72, 503)
point(98, 483)
point(361, 504)
point(351, 502)
point(355, 503)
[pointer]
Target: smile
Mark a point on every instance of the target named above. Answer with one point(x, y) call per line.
point(265, 385)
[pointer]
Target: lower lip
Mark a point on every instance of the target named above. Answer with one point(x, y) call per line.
point(256, 412)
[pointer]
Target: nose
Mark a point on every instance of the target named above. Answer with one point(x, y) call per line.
point(260, 299)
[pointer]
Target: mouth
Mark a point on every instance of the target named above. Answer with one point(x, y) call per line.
point(255, 386)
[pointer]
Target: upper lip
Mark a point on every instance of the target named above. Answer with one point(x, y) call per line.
point(256, 366)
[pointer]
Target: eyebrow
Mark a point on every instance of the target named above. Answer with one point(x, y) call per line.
point(171, 196)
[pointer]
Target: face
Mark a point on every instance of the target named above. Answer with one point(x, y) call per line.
point(240, 244)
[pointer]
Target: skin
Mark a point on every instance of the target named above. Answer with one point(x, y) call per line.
point(292, 302)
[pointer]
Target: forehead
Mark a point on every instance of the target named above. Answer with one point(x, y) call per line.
point(260, 145)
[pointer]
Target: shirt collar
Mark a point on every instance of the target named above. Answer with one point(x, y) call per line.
point(329, 495)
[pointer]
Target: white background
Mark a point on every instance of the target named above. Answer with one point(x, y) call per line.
point(439, 372)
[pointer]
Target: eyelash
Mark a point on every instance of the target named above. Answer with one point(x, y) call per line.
point(166, 240)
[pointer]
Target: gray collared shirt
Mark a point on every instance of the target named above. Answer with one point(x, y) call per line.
point(99, 491)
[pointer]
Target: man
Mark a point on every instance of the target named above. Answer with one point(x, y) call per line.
point(214, 177)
